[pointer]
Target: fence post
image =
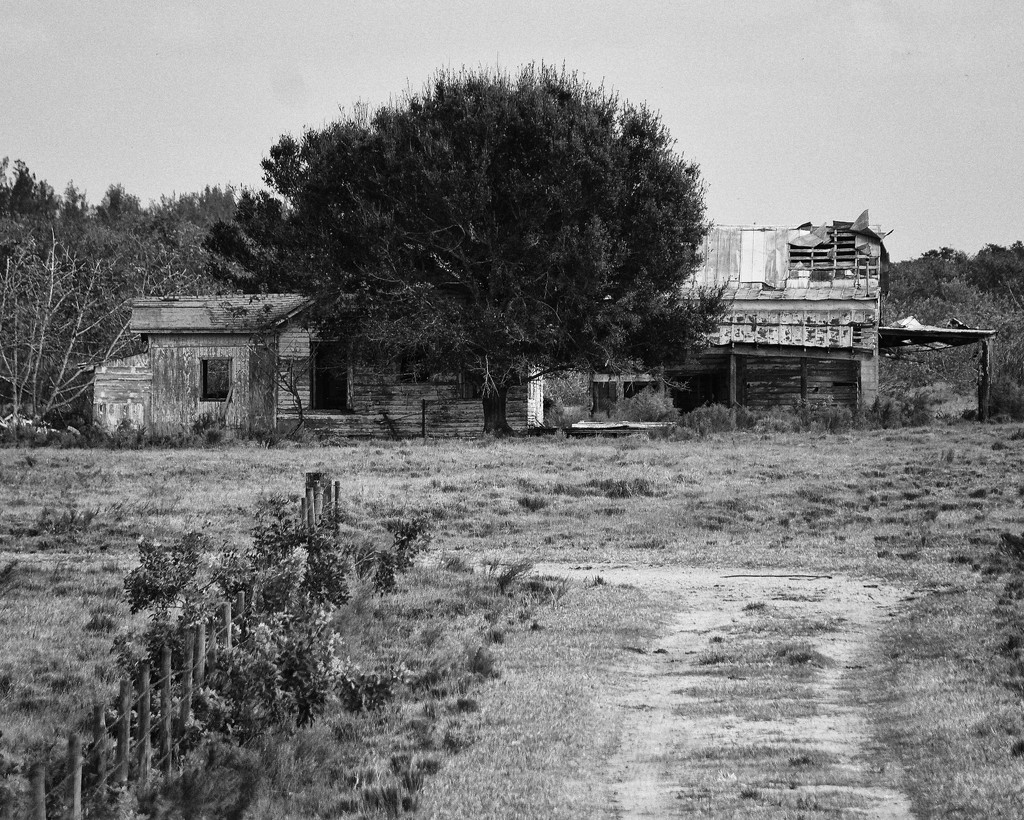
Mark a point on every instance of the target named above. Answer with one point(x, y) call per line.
point(337, 499)
point(75, 780)
point(165, 708)
point(186, 680)
point(225, 613)
point(201, 654)
point(310, 510)
point(124, 738)
point(318, 502)
point(99, 740)
point(211, 647)
point(423, 418)
point(145, 736)
point(38, 781)
point(328, 484)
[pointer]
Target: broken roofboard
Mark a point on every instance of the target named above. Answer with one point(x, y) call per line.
point(615, 428)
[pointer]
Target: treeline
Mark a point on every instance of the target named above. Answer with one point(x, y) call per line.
point(984, 290)
point(68, 271)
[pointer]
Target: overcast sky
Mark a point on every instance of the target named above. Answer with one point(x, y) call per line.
point(795, 111)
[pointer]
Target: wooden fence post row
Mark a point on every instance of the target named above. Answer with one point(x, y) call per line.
point(321, 498)
point(203, 645)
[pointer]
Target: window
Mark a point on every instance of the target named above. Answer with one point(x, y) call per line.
point(329, 372)
point(216, 379)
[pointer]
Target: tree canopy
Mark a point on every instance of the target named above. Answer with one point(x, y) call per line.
point(492, 225)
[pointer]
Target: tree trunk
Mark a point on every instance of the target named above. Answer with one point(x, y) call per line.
point(494, 412)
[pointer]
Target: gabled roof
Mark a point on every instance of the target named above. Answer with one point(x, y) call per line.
point(216, 314)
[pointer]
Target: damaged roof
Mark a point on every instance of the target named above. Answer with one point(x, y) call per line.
point(215, 314)
point(834, 260)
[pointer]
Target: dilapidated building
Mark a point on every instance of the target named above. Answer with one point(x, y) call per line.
point(801, 325)
point(253, 363)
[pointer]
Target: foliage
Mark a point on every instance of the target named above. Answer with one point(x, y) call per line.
point(490, 225)
point(285, 669)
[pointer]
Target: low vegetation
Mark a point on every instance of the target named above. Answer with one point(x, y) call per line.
point(496, 675)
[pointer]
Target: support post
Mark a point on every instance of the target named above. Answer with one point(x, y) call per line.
point(803, 381)
point(166, 728)
point(732, 380)
point(144, 730)
point(75, 776)
point(985, 381)
point(124, 736)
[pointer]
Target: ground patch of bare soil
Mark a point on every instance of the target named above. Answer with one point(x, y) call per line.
point(753, 702)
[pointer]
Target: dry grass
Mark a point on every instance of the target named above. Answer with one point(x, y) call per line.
point(920, 506)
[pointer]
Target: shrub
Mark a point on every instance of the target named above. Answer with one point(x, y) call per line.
point(1007, 400)
point(647, 405)
point(711, 418)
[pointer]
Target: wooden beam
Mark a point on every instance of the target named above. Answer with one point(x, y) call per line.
point(803, 380)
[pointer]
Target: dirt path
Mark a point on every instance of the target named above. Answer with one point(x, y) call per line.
point(697, 744)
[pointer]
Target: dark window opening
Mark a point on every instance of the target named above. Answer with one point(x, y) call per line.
point(412, 371)
point(631, 389)
point(699, 389)
point(329, 377)
point(469, 389)
point(216, 376)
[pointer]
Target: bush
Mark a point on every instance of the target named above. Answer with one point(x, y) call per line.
point(1007, 400)
point(711, 418)
point(647, 405)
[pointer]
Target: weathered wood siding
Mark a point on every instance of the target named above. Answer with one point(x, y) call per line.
point(833, 323)
point(121, 392)
point(777, 382)
point(177, 404)
point(382, 405)
point(535, 402)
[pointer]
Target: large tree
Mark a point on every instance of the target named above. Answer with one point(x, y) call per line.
point(495, 226)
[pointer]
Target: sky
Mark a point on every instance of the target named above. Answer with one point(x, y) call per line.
point(795, 111)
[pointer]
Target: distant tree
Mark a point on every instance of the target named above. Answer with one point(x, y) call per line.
point(203, 208)
point(118, 206)
point(22, 195)
point(493, 226)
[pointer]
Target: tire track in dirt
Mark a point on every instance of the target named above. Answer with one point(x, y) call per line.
point(677, 755)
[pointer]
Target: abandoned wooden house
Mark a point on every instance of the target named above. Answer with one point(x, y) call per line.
point(252, 363)
point(801, 326)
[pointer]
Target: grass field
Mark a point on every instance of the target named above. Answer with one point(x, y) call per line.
point(920, 508)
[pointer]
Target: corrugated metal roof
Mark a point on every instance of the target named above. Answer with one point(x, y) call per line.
point(215, 314)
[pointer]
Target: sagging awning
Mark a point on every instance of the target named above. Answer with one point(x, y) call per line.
point(910, 334)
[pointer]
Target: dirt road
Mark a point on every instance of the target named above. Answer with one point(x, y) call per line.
point(703, 736)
